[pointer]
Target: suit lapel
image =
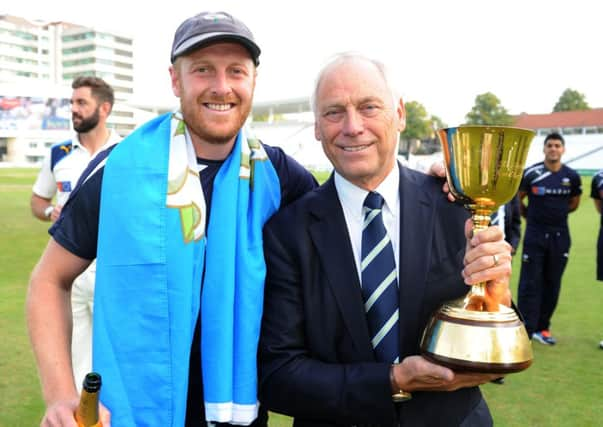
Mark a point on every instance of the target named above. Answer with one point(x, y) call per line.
point(329, 234)
point(416, 230)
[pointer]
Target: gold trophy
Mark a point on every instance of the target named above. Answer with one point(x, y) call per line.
point(484, 166)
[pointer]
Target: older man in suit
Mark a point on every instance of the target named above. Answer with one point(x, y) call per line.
point(340, 342)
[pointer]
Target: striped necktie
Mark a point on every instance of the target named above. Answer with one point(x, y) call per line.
point(379, 282)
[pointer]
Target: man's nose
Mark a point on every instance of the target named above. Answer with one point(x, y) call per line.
point(353, 123)
point(221, 84)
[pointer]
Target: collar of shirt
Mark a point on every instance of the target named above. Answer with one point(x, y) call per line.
point(113, 139)
point(352, 201)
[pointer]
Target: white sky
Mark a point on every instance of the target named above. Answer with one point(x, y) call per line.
point(441, 53)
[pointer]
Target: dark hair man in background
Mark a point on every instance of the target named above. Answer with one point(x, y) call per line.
point(553, 191)
point(91, 103)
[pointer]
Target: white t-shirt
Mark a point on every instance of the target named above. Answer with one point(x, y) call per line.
point(61, 179)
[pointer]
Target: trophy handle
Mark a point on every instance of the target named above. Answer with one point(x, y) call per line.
point(477, 299)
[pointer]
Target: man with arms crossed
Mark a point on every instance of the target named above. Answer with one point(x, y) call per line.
point(344, 311)
point(91, 104)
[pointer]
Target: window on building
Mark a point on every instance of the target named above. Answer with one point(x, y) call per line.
point(26, 74)
point(572, 131)
point(34, 159)
point(122, 114)
point(123, 53)
point(18, 60)
point(71, 76)
point(123, 40)
point(123, 89)
point(124, 129)
point(546, 131)
point(24, 35)
point(79, 36)
point(73, 62)
point(78, 49)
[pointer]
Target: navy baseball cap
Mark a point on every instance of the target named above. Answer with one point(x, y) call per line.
point(212, 27)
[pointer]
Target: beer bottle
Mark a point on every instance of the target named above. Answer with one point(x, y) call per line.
point(86, 413)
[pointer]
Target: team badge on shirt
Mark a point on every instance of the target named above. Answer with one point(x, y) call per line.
point(538, 191)
point(64, 186)
point(566, 182)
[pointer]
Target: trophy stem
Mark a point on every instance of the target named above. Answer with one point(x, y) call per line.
point(476, 298)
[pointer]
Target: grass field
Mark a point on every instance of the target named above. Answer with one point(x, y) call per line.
point(564, 387)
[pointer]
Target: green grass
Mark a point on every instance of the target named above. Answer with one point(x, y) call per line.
point(564, 385)
point(562, 388)
point(22, 238)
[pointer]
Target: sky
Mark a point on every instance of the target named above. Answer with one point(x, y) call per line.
point(441, 53)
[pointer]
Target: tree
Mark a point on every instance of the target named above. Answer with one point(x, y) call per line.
point(418, 123)
point(418, 136)
point(571, 100)
point(437, 123)
point(488, 111)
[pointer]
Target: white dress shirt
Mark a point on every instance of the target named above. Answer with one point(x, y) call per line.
point(352, 198)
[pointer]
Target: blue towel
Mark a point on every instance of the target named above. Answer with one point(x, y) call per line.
point(149, 271)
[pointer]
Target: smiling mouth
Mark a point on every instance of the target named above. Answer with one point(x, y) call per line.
point(219, 107)
point(355, 148)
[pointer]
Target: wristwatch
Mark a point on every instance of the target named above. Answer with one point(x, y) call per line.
point(48, 211)
point(400, 395)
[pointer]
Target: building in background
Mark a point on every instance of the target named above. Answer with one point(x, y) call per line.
point(582, 131)
point(38, 61)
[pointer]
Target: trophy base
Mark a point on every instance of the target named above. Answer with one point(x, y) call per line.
point(477, 341)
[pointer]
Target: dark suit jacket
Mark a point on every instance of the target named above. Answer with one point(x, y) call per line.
point(315, 356)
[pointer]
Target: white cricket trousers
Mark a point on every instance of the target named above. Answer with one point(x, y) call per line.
point(82, 298)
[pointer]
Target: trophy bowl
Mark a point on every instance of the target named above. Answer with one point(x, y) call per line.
point(484, 166)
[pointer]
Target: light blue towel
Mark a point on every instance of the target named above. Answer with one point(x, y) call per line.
point(149, 274)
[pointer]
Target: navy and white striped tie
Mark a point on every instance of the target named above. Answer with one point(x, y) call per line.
point(379, 282)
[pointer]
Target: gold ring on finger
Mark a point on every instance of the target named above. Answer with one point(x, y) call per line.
point(495, 258)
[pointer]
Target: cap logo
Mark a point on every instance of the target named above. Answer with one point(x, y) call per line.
point(215, 17)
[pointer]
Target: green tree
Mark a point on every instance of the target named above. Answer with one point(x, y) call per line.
point(418, 136)
point(418, 123)
point(488, 111)
point(437, 123)
point(571, 100)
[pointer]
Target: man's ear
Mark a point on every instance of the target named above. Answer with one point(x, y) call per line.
point(175, 78)
point(401, 111)
point(106, 108)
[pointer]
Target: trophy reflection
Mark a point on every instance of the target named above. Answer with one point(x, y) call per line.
point(484, 166)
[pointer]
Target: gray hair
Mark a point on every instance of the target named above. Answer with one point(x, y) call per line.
point(344, 57)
